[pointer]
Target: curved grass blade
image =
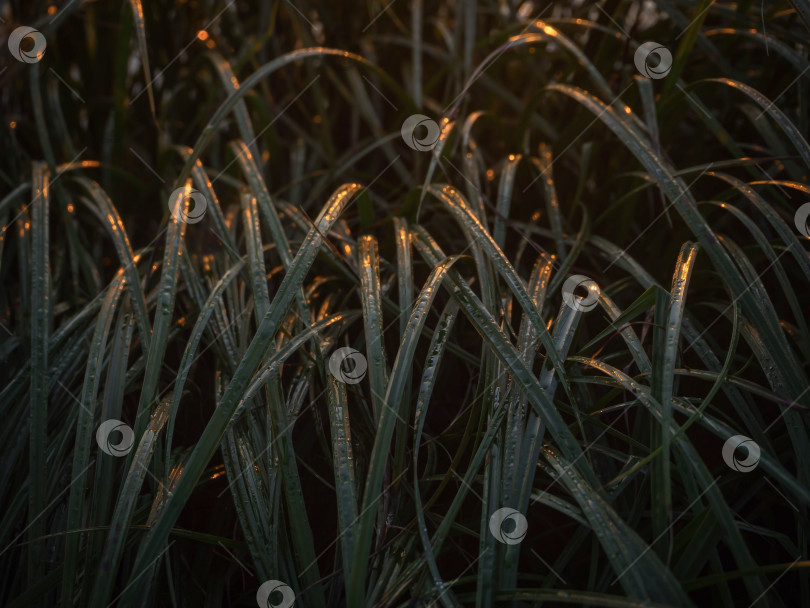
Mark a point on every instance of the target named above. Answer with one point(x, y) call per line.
point(780, 118)
point(779, 225)
point(115, 226)
point(193, 343)
point(253, 241)
point(429, 376)
point(167, 289)
point(668, 317)
point(229, 81)
point(253, 80)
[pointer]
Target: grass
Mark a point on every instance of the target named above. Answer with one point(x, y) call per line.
point(325, 227)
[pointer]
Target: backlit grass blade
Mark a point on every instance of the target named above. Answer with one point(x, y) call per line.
point(780, 118)
point(518, 413)
point(784, 282)
point(253, 241)
point(306, 560)
point(781, 227)
point(106, 480)
point(192, 345)
point(505, 188)
point(229, 81)
point(253, 80)
point(204, 185)
point(140, 30)
point(404, 271)
point(38, 405)
point(343, 465)
point(369, 265)
point(664, 361)
point(113, 223)
point(167, 290)
point(544, 163)
point(429, 377)
point(248, 499)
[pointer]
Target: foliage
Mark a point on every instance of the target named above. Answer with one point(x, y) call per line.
point(325, 228)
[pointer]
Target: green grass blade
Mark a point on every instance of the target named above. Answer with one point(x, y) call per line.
point(84, 435)
point(105, 576)
point(40, 326)
point(343, 464)
point(167, 289)
point(369, 264)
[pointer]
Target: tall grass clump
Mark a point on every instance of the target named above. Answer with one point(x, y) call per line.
point(478, 303)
